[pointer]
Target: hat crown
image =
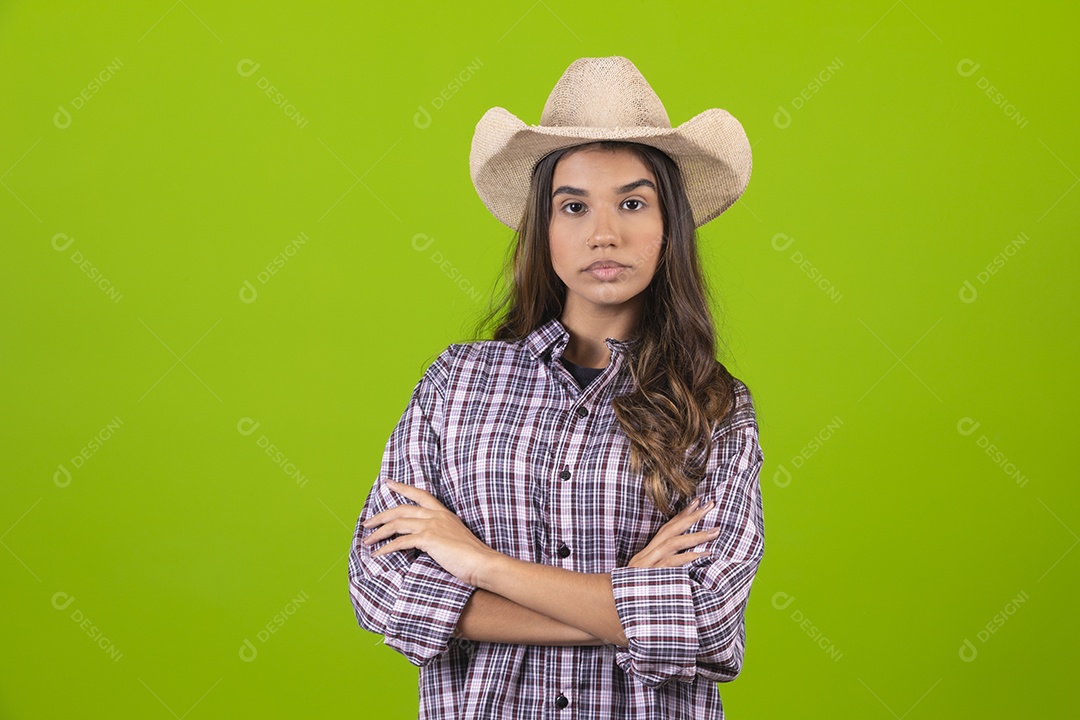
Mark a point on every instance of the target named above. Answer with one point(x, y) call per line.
point(606, 92)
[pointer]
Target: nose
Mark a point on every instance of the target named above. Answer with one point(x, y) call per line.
point(603, 230)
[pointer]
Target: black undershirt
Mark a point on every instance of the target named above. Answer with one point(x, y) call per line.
point(583, 375)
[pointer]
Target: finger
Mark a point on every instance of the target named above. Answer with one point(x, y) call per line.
point(689, 540)
point(422, 497)
point(691, 506)
point(692, 514)
point(686, 541)
point(697, 505)
point(395, 512)
point(680, 523)
point(399, 526)
point(682, 559)
point(401, 542)
point(703, 509)
point(692, 539)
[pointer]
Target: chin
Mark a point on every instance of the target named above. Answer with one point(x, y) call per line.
point(613, 294)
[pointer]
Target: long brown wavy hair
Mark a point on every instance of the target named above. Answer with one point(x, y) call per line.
point(681, 389)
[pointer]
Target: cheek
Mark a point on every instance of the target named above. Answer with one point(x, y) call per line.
point(651, 245)
point(562, 252)
point(558, 257)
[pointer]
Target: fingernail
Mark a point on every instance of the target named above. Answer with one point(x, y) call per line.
point(714, 531)
point(694, 502)
point(710, 503)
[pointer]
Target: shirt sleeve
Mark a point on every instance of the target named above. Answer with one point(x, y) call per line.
point(405, 595)
point(681, 622)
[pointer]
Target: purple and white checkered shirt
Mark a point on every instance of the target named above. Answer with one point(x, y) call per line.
point(538, 468)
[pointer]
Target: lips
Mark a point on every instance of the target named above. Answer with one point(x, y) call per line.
point(606, 270)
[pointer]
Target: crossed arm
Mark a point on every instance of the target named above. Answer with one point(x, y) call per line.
point(517, 601)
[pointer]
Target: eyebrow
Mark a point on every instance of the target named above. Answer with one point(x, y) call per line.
point(567, 190)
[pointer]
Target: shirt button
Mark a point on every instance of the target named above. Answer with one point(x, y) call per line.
point(563, 551)
point(582, 411)
point(561, 701)
point(565, 474)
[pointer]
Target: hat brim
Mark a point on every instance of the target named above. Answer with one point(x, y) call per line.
point(711, 150)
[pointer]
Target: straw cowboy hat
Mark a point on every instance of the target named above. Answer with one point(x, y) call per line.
point(608, 99)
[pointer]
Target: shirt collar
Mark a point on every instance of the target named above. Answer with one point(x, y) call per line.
point(552, 335)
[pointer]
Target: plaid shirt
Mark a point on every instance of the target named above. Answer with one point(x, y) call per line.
point(538, 468)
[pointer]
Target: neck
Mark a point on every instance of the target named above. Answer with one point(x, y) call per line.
point(589, 326)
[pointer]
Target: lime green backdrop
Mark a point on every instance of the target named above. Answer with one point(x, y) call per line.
point(235, 236)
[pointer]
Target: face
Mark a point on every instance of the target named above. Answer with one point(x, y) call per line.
point(606, 228)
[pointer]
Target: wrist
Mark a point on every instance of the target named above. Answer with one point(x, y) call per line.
point(491, 565)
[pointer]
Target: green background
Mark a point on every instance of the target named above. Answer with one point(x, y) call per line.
point(882, 170)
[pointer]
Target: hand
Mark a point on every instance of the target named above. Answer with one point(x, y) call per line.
point(663, 549)
point(430, 527)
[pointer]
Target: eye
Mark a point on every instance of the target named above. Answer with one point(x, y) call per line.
point(570, 204)
point(634, 200)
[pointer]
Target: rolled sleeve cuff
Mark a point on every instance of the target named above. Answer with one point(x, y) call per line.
point(426, 611)
point(656, 609)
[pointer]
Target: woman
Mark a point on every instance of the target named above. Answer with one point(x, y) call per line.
point(534, 540)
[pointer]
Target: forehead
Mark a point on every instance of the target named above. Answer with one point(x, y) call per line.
point(600, 169)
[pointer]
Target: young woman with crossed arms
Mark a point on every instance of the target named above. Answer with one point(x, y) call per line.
point(534, 541)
